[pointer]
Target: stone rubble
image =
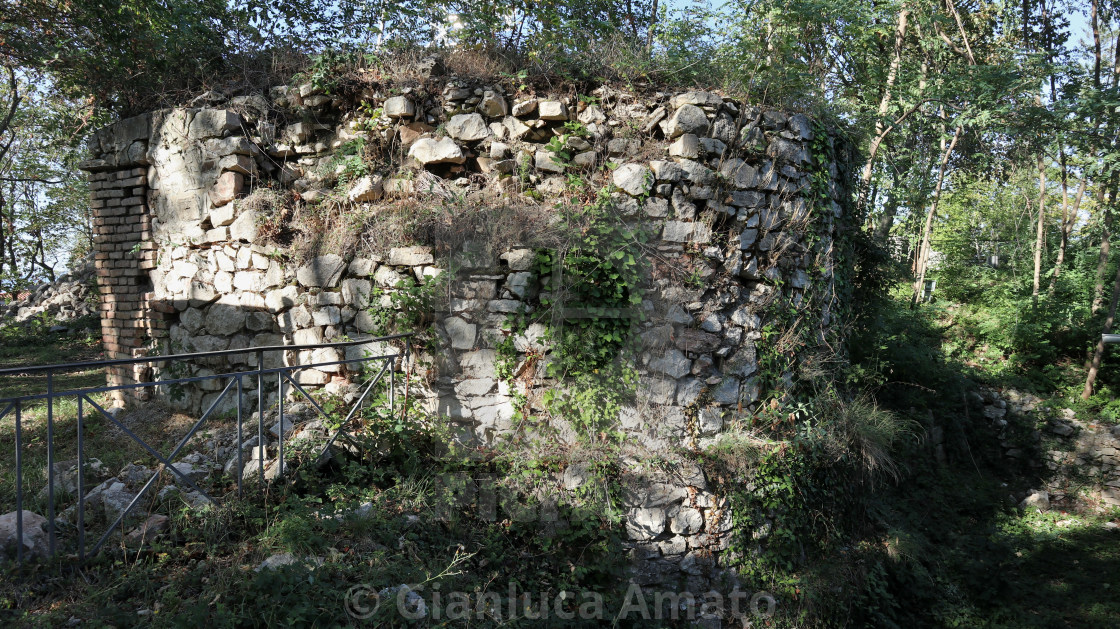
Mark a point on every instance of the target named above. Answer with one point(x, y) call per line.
point(72, 296)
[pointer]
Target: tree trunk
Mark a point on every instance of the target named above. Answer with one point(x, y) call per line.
point(650, 29)
point(886, 221)
point(1069, 217)
point(881, 129)
point(1102, 257)
point(1040, 234)
point(923, 248)
point(1098, 353)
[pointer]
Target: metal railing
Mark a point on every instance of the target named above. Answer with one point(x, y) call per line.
point(236, 380)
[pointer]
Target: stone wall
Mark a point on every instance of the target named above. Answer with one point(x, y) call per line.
point(740, 211)
point(1079, 461)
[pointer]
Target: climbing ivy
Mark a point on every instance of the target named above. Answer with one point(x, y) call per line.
point(593, 287)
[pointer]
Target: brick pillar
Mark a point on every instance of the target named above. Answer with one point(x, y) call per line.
point(124, 253)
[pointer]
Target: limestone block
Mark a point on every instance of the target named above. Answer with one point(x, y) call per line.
point(689, 390)
point(493, 105)
point(524, 108)
point(519, 259)
point(442, 151)
point(683, 208)
point(468, 127)
point(259, 321)
point(321, 271)
point(410, 133)
point(744, 362)
point(312, 377)
point(411, 256)
point(748, 238)
point(698, 173)
point(474, 387)
point(697, 98)
point(687, 119)
point(226, 188)
point(367, 189)
point(399, 107)
point(585, 159)
point(475, 289)
point(552, 110)
point(678, 231)
point(223, 319)
point(656, 207)
point(546, 161)
point(281, 299)
point(783, 150)
point(666, 171)
point(244, 228)
point(207, 343)
point(478, 364)
point(386, 277)
point(327, 315)
point(238, 163)
point(356, 293)
point(497, 415)
point(687, 145)
point(739, 173)
point(800, 125)
point(35, 542)
point(462, 333)
point(326, 355)
point(362, 267)
point(222, 216)
point(504, 305)
point(687, 521)
point(364, 321)
point(191, 319)
point(661, 390)
point(248, 280)
point(515, 128)
point(592, 115)
point(216, 235)
point(672, 363)
point(308, 336)
point(214, 123)
point(520, 284)
point(635, 179)
point(645, 524)
point(711, 421)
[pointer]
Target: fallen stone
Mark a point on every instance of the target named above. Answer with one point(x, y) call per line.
point(367, 189)
point(1037, 500)
point(399, 107)
point(442, 151)
point(34, 540)
point(468, 127)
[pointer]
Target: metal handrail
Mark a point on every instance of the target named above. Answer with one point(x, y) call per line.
point(192, 356)
point(283, 374)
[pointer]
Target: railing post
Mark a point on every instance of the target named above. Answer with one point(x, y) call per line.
point(19, 482)
point(50, 461)
point(81, 486)
point(280, 414)
point(260, 414)
point(240, 438)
